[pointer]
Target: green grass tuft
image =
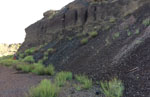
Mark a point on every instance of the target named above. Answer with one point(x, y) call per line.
point(24, 68)
point(29, 59)
point(39, 69)
point(113, 88)
point(146, 22)
point(84, 41)
point(30, 51)
point(44, 89)
point(50, 70)
point(116, 35)
point(62, 77)
point(93, 34)
point(84, 80)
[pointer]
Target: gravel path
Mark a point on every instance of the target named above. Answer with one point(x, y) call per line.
point(16, 84)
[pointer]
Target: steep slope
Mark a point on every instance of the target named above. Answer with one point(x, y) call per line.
point(120, 48)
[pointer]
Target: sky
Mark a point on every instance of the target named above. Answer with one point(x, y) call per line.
point(16, 15)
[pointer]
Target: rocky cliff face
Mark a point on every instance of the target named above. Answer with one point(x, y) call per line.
point(120, 48)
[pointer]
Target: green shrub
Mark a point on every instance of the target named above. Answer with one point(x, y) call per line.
point(30, 51)
point(21, 55)
point(24, 68)
point(50, 70)
point(39, 69)
point(44, 89)
point(50, 50)
point(29, 59)
point(129, 33)
point(45, 58)
point(77, 87)
point(112, 20)
point(46, 53)
point(137, 31)
point(40, 61)
point(84, 41)
point(93, 34)
point(84, 80)
point(8, 61)
point(116, 35)
point(62, 77)
point(146, 22)
point(113, 88)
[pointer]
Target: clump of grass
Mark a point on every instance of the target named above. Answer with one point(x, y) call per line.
point(45, 58)
point(137, 31)
point(84, 80)
point(78, 87)
point(29, 59)
point(21, 55)
point(44, 89)
point(8, 62)
point(50, 70)
point(129, 33)
point(50, 50)
point(30, 51)
point(113, 88)
point(39, 69)
point(40, 61)
point(84, 41)
point(62, 77)
point(46, 53)
point(93, 34)
point(112, 20)
point(116, 35)
point(146, 22)
point(24, 68)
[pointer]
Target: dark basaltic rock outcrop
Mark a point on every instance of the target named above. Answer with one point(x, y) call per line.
point(121, 48)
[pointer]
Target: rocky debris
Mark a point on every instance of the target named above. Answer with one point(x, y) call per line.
point(120, 49)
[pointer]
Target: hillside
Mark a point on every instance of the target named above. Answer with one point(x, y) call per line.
point(100, 38)
point(8, 49)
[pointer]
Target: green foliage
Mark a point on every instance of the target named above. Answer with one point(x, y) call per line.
point(29, 59)
point(129, 33)
point(112, 20)
point(81, 34)
point(107, 41)
point(45, 58)
point(50, 50)
point(44, 89)
point(39, 69)
point(93, 34)
point(50, 70)
point(84, 41)
point(137, 31)
point(106, 27)
point(21, 55)
point(84, 80)
point(46, 53)
point(8, 62)
point(113, 88)
point(62, 77)
point(146, 22)
point(30, 51)
point(24, 68)
point(77, 87)
point(40, 61)
point(116, 35)
point(69, 38)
